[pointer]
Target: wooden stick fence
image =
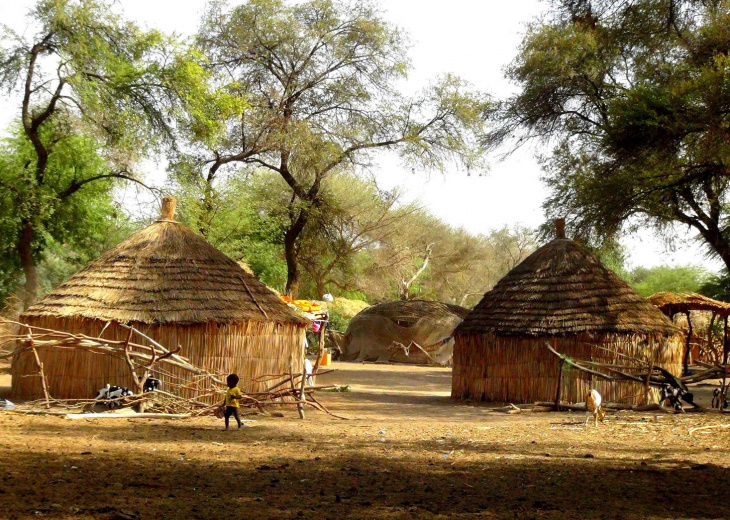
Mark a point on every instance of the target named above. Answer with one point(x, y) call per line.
point(144, 360)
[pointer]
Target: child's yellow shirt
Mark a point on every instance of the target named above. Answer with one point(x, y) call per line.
point(231, 393)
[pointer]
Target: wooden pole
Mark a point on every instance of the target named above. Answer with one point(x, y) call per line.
point(560, 381)
point(302, 395)
point(723, 388)
point(40, 369)
point(708, 346)
point(685, 361)
point(647, 386)
point(320, 351)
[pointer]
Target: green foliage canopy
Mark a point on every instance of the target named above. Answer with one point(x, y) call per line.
point(678, 279)
point(70, 231)
point(634, 96)
point(86, 72)
point(317, 79)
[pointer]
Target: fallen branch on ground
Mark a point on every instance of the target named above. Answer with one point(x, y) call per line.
point(711, 427)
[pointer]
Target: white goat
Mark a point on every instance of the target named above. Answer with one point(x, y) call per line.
point(593, 406)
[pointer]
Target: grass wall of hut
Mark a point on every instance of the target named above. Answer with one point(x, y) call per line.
point(250, 349)
point(520, 369)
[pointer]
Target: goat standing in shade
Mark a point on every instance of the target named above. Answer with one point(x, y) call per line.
point(593, 406)
point(109, 393)
point(151, 384)
point(719, 400)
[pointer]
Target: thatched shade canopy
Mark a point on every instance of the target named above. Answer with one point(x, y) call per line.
point(562, 294)
point(673, 303)
point(177, 288)
point(684, 303)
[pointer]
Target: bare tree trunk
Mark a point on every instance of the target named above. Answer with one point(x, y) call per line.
point(405, 292)
point(292, 258)
point(25, 252)
point(321, 288)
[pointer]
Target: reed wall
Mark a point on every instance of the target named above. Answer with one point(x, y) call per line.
point(250, 349)
point(515, 369)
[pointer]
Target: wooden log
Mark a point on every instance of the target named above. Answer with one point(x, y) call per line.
point(542, 409)
point(577, 407)
point(146, 415)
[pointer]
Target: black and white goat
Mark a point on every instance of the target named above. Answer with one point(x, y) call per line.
point(151, 384)
point(675, 395)
point(109, 394)
point(719, 400)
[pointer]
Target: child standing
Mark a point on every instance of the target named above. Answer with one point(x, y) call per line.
point(233, 394)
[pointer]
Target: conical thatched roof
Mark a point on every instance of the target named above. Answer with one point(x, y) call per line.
point(563, 288)
point(406, 313)
point(165, 274)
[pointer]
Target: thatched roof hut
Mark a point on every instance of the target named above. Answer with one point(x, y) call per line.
point(386, 331)
point(172, 285)
point(563, 296)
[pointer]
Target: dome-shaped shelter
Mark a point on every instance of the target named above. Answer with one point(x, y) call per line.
point(176, 288)
point(382, 332)
point(561, 295)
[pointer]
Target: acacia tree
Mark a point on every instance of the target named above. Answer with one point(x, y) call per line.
point(83, 72)
point(429, 259)
point(353, 217)
point(318, 80)
point(635, 96)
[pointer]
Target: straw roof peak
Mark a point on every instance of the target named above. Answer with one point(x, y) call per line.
point(167, 211)
point(165, 273)
point(563, 288)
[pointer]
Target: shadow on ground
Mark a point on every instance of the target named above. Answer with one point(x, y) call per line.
point(299, 476)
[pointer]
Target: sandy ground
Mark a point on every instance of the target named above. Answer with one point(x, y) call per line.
point(407, 451)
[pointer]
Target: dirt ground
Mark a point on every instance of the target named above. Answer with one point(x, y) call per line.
point(407, 451)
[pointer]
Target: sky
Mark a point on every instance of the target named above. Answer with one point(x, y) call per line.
point(474, 39)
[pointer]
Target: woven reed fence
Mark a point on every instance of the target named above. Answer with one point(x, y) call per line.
point(251, 349)
point(520, 369)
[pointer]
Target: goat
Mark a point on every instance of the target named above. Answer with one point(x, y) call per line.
point(673, 395)
point(151, 384)
point(593, 406)
point(308, 369)
point(719, 400)
point(109, 393)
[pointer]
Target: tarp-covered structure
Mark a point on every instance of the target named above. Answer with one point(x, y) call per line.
point(394, 331)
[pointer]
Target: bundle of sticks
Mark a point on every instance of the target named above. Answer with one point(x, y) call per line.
point(644, 372)
point(146, 357)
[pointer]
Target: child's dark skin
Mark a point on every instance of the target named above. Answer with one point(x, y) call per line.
point(232, 381)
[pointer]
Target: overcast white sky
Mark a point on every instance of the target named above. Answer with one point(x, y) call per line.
point(474, 39)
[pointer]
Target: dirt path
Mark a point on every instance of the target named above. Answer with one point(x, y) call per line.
point(407, 452)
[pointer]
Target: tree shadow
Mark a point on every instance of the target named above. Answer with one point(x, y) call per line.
point(293, 479)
